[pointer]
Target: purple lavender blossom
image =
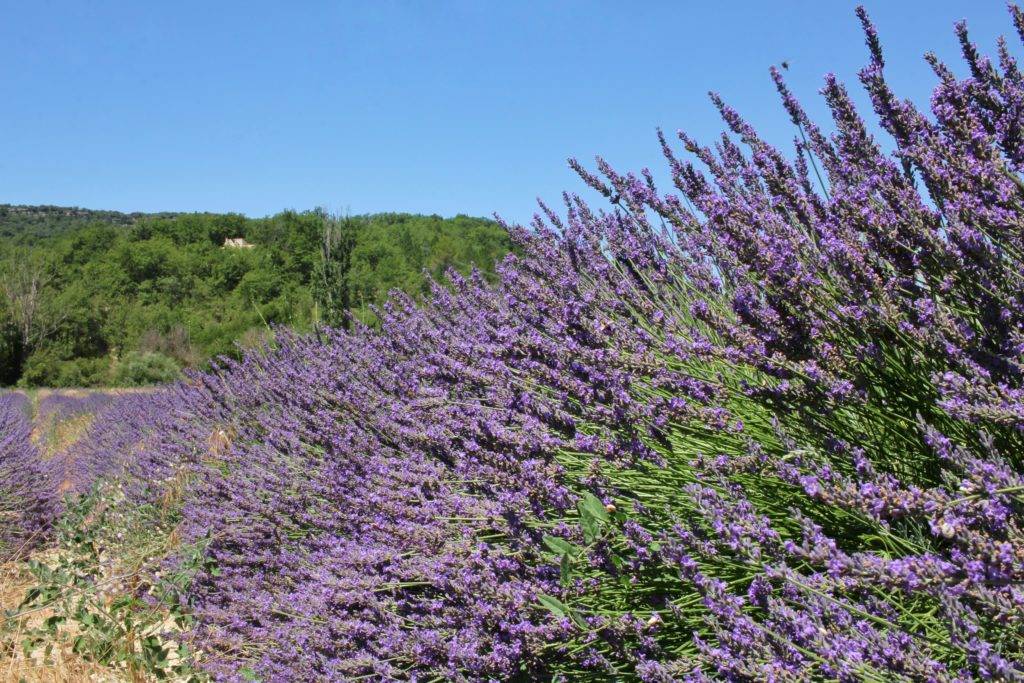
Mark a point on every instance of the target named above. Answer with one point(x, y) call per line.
point(28, 500)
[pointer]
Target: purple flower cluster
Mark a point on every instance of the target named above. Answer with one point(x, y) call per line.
point(875, 325)
point(352, 514)
point(767, 425)
point(28, 500)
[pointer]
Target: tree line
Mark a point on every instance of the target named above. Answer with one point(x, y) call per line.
point(112, 299)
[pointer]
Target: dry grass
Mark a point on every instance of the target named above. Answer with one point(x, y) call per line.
point(58, 435)
point(55, 660)
point(60, 665)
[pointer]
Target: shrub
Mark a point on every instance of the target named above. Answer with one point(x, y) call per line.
point(142, 369)
point(47, 368)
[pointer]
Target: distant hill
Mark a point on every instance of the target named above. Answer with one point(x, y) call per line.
point(91, 298)
point(27, 222)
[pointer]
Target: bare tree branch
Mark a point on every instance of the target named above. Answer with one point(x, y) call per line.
point(23, 285)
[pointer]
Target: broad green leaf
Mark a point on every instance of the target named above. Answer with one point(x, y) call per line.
point(591, 527)
point(577, 618)
point(592, 505)
point(566, 569)
point(560, 546)
point(556, 606)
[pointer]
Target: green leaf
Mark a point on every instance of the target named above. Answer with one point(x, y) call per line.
point(560, 546)
point(121, 603)
point(591, 528)
point(577, 618)
point(30, 597)
point(592, 505)
point(249, 674)
point(556, 606)
point(566, 569)
point(592, 516)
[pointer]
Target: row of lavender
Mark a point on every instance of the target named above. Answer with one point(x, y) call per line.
point(59, 406)
point(769, 425)
point(27, 493)
point(33, 481)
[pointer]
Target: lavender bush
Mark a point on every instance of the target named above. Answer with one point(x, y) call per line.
point(63, 405)
point(851, 509)
point(28, 500)
point(118, 423)
point(765, 426)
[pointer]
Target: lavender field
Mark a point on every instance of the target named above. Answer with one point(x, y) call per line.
point(766, 424)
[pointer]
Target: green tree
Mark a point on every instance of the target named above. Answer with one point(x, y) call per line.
point(331, 284)
point(26, 292)
point(87, 292)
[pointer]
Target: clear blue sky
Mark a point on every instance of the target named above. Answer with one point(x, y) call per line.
point(434, 107)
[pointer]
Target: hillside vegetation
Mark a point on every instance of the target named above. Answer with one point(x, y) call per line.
point(28, 223)
point(101, 298)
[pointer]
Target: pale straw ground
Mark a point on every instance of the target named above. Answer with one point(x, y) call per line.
point(60, 664)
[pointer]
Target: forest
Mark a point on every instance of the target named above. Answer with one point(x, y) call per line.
point(100, 298)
